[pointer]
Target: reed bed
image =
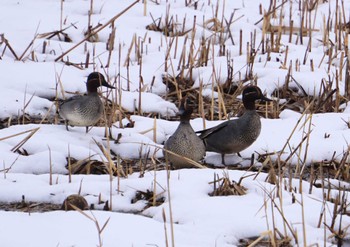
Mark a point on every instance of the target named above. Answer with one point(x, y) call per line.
point(178, 78)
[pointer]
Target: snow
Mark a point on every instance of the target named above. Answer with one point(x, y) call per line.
point(189, 216)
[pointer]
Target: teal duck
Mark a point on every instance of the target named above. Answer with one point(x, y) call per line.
point(85, 110)
point(233, 136)
point(184, 141)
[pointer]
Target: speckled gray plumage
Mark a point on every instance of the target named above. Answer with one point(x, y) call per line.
point(235, 135)
point(85, 110)
point(184, 142)
point(82, 110)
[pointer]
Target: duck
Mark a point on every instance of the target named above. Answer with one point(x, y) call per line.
point(184, 141)
point(85, 110)
point(235, 135)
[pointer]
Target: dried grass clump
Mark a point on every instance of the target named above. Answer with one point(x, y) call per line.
point(151, 199)
point(265, 241)
point(169, 26)
point(330, 170)
point(29, 206)
point(167, 30)
point(60, 34)
point(225, 187)
point(174, 84)
point(329, 100)
point(86, 166)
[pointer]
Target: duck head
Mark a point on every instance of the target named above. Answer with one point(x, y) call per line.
point(95, 80)
point(250, 95)
point(185, 109)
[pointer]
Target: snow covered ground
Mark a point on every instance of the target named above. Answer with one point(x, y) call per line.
point(189, 216)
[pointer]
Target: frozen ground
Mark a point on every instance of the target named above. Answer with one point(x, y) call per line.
point(191, 216)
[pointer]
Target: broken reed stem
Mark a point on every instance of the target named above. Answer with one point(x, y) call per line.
point(48, 112)
point(127, 60)
point(280, 197)
point(167, 55)
point(177, 91)
point(110, 44)
point(341, 66)
point(154, 199)
point(140, 87)
point(303, 218)
point(29, 46)
point(91, 10)
point(97, 224)
point(97, 30)
point(69, 166)
point(107, 155)
point(240, 42)
point(165, 228)
point(50, 167)
point(294, 129)
point(285, 221)
point(155, 130)
point(25, 104)
point(61, 15)
point(201, 103)
point(170, 207)
point(305, 136)
point(110, 169)
point(7, 45)
point(21, 143)
point(144, 7)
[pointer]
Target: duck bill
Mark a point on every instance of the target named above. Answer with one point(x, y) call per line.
point(181, 112)
point(264, 99)
point(105, 84)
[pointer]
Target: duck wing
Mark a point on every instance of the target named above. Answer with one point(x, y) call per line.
point(71, 99)
point(207, 132)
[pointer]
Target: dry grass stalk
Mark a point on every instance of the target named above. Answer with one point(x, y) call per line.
point(97, 30)
point(97, 224)
point(191, 54)
point(139, 107)
point(165, 228)
point(23, 141)
point(152, 199)
point(28, 47)
point(155, 130)
point(169, 27)
point(306, 134)
point(90, 12)
point(61, 14)
point(225, 187)
point(61, 34)
point(339, 233)
point(107, 155)
point(86, 166)
point(110, 44)
point(292, 133)
point(69, 166)
point(127, 60)
point(169, 204)
point(26, 104)
point(50, 166)
point(274, 205)
point(266, 238)
point(7, 45)
point(169, 46)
